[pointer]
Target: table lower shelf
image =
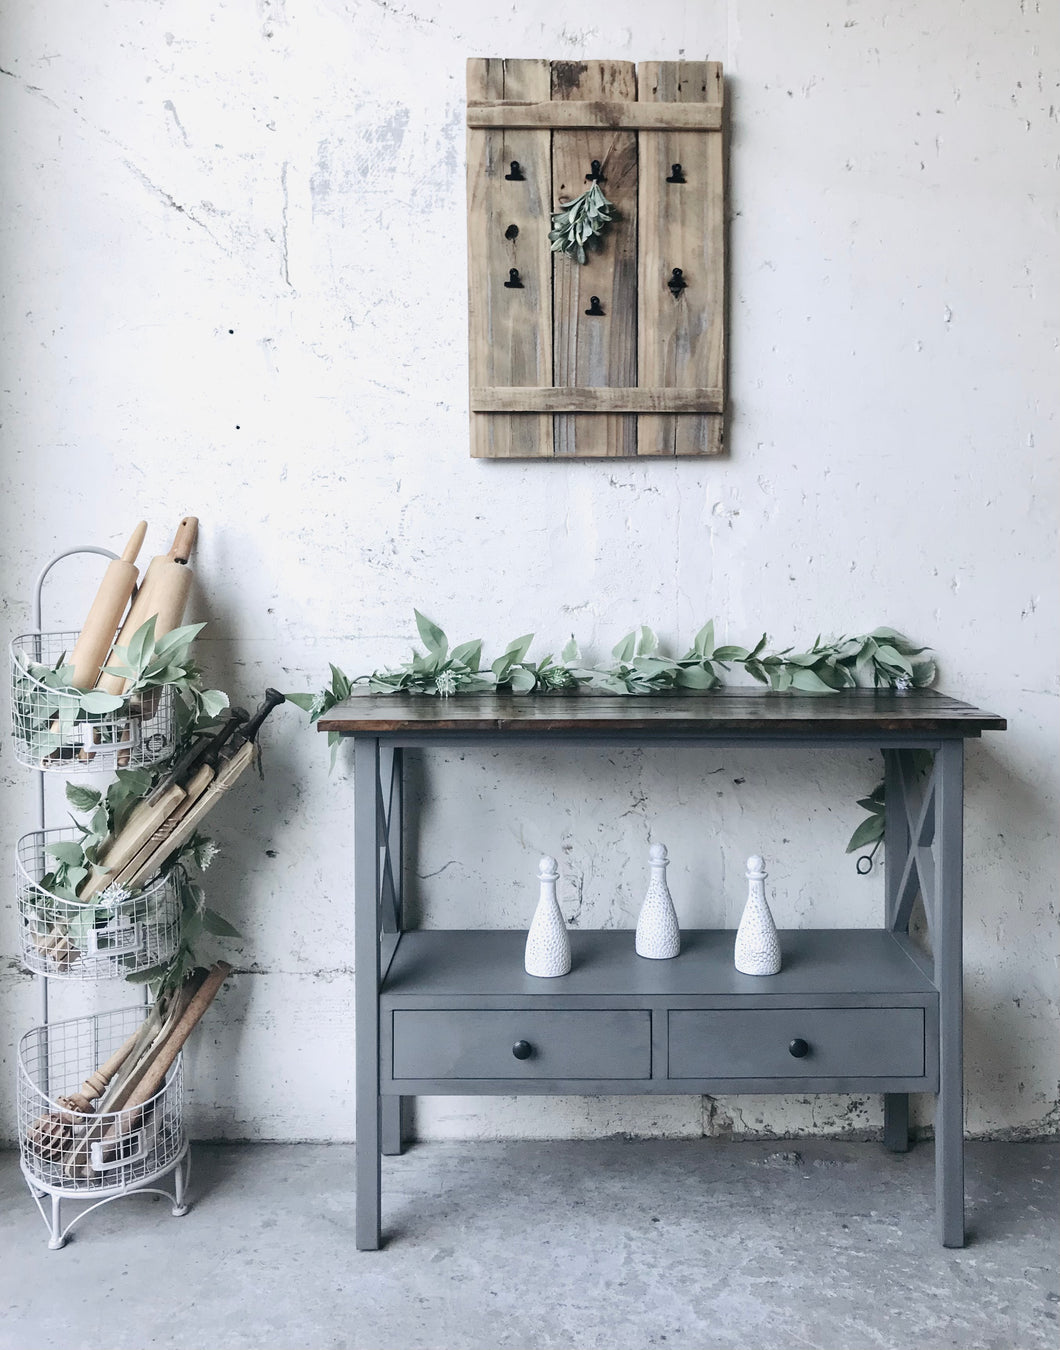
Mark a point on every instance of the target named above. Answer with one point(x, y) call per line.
point(852, 1010)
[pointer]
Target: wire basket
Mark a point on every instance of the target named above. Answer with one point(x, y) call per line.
point(100, 940)
point(53, 732)
point(70, 1153)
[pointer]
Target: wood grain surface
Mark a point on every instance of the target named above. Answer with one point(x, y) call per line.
point(917, 711)
point(588, 350)
point(681, 338)
point(509, 328)
point(598, 114)
point(578, 398)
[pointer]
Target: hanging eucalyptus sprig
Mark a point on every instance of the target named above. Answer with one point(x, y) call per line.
point(581, 222)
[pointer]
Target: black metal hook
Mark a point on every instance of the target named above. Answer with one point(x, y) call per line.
point(513, 283)
point(867, 858)
point(594, 175)
point(677, 282)
point(516, 175)
point(511, 232)
point(676, 174)
point(594, 307)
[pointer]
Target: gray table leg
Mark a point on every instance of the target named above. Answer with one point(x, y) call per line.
point(391, 842)
point(366, 887)
point(896, 1121)
point(895, 853)
point(949, 976)
point(393, 1115)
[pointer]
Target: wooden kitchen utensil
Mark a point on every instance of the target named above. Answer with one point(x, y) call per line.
point(97, 635)
point(124, 847)
point(164, 594)
point(239, 755)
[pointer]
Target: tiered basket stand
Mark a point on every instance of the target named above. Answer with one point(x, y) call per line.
point(119, 1153)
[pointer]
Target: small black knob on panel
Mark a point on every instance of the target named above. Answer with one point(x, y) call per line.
point(676, 174)
point(677, 282)
point(522, 1049)
point(594, 307)
point(799, 1048)
point(513, 283)
point(516, 175)
point(594, 175)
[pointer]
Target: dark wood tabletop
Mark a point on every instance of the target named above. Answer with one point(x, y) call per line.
point(852, 712)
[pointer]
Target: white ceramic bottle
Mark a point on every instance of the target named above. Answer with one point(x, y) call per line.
point(658, 933)
point(547, 943)
point(757, 945)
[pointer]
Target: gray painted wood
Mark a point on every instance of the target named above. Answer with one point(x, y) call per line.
point(469, 1044)
point(754, 1043)
point(896, 1121)
point(895, 839)
point(824, 965)
point(949, 970)
point(844, 973)
point(366, 884)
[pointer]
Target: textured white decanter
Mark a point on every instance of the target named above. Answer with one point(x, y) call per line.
point(757, 945)
point(547, 943)
point(658, 934)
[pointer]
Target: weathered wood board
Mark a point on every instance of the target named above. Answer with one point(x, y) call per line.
point(640, 372)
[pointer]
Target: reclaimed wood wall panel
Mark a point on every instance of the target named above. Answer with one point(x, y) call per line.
point(647, 376)
point(682, 336)
point(509, 329)
point(590, 350)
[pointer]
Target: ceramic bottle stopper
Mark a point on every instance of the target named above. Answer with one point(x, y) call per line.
point(547, 943)
point(658, 934)
point(757, 945)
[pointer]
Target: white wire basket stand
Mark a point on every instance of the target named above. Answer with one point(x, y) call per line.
point(71, 1155)
point(111, 936)
point(53, 733)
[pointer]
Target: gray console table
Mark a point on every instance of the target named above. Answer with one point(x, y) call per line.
point(852, 1010)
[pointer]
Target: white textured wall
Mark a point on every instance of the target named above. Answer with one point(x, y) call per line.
point(233, 284)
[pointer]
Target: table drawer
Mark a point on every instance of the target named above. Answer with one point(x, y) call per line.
point(477, 1045)
point(762, 1043)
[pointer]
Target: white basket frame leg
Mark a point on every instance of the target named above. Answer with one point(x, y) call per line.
point(52, 1213)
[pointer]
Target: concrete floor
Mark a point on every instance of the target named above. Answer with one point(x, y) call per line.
point(672, 1244)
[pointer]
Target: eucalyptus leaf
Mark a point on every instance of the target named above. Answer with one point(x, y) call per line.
point(432, 636)
point(870, 829)
point(66, 852)
point(82, 798)
point(624, 651)
point(98, 701)
point(219, 927)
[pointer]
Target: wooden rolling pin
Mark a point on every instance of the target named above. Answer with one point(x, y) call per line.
point(97, 635)
point(202, 998)
point(164, 594)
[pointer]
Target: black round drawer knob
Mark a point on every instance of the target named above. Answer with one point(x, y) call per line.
point(522, 1049)
point(799, 1048)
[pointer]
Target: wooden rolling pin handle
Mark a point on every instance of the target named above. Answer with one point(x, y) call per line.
point(136, 540)
point(202, 999)
point(184, 539)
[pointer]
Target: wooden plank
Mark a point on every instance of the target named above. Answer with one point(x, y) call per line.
point(915, 712)
point(596, 351)
point(681, 339)
point(509, 329)
point(581, 399)
point(595, 115)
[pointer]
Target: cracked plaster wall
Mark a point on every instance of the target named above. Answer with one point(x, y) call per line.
point(233, 283)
